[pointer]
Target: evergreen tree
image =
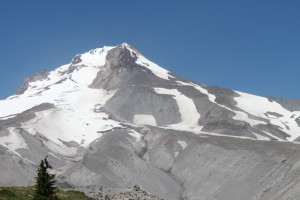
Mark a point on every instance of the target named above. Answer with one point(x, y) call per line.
point(44, 187)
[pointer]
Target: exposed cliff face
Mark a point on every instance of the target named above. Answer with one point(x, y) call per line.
point(112, 117)
point(122, 70)
point(39, 76)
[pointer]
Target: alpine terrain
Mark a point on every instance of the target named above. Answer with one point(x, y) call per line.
point(113, 118)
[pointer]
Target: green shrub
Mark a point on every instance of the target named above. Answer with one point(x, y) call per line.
point(5, 192)
point(26, 193)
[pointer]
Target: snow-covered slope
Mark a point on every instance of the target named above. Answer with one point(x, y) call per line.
point(73, 118)
point(113, 117)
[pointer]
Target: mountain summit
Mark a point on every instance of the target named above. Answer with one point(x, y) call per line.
point(112, 117)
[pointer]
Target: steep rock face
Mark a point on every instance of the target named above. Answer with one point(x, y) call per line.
point(135, 83)
point(143, 101)
point(37, 77)
point(121, 70)
point(111, 117)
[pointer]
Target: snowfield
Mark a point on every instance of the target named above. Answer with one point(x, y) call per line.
point(187, 109)
point(13, 141)
point(261, 106)
point(76, 116)
point(144, 120)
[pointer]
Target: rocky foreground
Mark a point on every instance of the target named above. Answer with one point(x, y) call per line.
point(104, 193)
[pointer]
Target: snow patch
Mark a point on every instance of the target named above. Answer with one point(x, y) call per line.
point(187, 109)
point(260, 137)
point(13, 141)
point(258, 106)
point(182, 143)
point(211, 97)
point(53, 77)
point(144, 120)
point(157, 70)
point(85, 76)
point(135, 134)
point(95, 57)
point(238, 114)
point(61, 149)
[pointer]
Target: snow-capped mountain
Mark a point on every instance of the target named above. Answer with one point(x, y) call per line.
point(112, 117)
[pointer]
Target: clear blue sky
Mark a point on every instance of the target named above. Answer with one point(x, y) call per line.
point(246, 45)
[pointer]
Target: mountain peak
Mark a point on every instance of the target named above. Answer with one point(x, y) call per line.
point(94, 57)
point(129, 47)
point(112, 117)
point(125, 44)
point(122, 56)
point(87, 65)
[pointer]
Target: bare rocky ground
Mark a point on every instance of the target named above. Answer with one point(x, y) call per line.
point(104, 193)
